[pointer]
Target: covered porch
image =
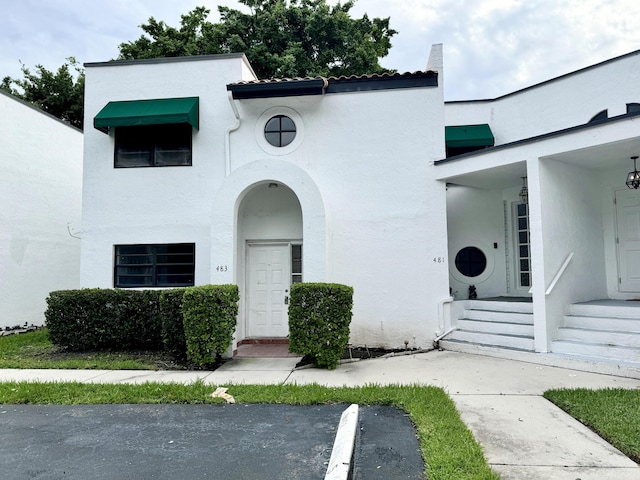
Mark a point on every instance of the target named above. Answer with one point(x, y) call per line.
point(544, 245)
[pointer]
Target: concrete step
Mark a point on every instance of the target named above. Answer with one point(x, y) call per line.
point(598, 336)
point(497, 306)
point(493, 326)
point(601, 323)
point(498, 316)
point(629, 355)
point(611, 309)
point(491, 339)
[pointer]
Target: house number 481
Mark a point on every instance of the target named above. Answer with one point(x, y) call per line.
point(438, 259)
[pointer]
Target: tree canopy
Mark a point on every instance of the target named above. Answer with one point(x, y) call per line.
point(281, 38)
point(61, 93)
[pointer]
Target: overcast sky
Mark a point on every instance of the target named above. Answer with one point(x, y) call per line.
point(491, 47)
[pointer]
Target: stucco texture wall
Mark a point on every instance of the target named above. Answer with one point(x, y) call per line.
point(40, 201)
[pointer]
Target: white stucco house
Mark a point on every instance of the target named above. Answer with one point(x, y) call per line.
point(40, 203)
point(197, 172)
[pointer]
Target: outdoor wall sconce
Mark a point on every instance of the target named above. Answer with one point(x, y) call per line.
point(633, 179)
point(524, 191)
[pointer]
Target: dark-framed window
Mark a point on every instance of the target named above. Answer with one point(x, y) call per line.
point(153, 145)
point(280, 131)
point(471, 261)
point(155, 265)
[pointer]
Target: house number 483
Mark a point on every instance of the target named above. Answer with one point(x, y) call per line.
point(438, 259)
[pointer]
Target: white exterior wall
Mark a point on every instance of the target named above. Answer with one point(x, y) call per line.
point(475, 218)
point(554, 105)
point(369, 216)
point(154, 205)
point(384, 220)
point(40, 195)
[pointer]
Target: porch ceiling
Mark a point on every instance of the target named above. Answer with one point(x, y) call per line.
point(504, 173)
point(497, 178)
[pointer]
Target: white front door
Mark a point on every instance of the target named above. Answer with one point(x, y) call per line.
point(269, 277)
point(628, 221)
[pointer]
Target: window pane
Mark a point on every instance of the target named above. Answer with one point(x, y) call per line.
point(522, 209)
point(287, 138)
point(522, 224)
point(524, 251)
point(287, 125)
point(523, 237)
point(273, 138)
point(524, 265)
point(524, 280)
point(180, 156)
point(273, 125)
point(133, 157)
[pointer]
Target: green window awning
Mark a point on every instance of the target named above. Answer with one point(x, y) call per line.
point(468, 136)
point(148, 112)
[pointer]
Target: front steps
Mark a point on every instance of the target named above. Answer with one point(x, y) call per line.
point(502, 324)
point(603, 331)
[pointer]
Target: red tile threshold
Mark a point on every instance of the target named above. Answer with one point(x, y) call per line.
point(261, 350)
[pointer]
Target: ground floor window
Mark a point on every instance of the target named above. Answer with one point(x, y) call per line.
point(296, 263)
point(155, 265)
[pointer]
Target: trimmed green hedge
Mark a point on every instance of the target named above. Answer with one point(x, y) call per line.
point(98, 319)
point(209, 314)
point(194, 323)
point(172, 324)
point(319, 319)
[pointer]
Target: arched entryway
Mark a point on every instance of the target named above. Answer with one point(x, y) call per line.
point(270, 243)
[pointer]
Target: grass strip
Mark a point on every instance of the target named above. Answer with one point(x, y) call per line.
point(35, 350)
point(612, 413)
point(448, 447)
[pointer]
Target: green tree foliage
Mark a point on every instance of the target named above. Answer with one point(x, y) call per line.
point(61, 93)
point(281, 38)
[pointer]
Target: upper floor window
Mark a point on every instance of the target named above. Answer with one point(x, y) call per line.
point(280, 131)
point(153, 145)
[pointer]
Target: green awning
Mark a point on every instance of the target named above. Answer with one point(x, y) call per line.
point(148, 112)
point(468, 136)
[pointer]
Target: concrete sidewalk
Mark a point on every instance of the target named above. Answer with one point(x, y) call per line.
point(523, 435)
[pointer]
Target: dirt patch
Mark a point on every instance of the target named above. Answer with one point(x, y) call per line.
point(359, 353)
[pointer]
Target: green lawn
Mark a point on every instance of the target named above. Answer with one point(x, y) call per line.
point(34, 350)
point(614, 414)
point(448, 447)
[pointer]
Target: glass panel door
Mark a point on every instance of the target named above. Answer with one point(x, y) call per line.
point(523, 247)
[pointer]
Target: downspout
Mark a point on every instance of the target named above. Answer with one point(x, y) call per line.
point(227, 137)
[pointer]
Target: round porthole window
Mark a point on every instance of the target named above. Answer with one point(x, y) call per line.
point(280, 131)
point(471, 262)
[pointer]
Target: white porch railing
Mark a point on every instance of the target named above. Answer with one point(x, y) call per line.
point(559, 274)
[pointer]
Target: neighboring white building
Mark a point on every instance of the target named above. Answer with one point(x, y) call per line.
point(374, 182)
point(40, 203)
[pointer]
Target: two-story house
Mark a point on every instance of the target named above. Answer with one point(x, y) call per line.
point(197, 172)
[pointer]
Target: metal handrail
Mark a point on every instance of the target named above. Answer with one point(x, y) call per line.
point(559, 274)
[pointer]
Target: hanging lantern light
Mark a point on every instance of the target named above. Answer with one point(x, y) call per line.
point(524, 191)
point(633, 178)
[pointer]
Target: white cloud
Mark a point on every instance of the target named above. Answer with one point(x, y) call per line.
point(491, 47)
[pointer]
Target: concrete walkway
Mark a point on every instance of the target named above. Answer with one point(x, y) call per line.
point(523, 435)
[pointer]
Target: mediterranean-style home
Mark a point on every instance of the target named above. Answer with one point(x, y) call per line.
point(501, 225)
point(40, 202)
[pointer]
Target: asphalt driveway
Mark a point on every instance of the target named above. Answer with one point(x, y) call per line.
point(199, 442)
